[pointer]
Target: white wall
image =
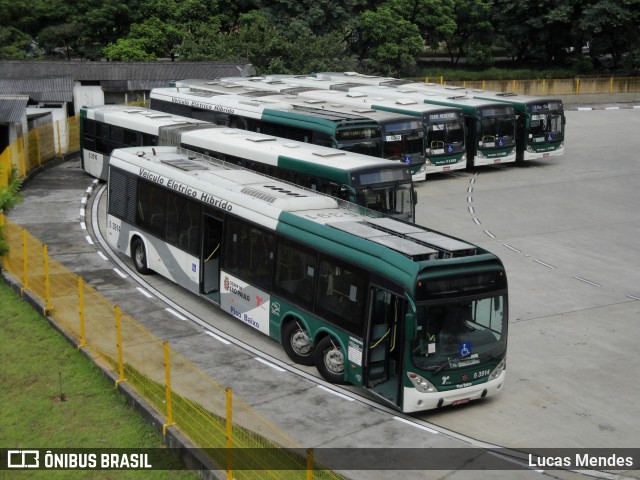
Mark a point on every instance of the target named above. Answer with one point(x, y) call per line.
point(88, 96)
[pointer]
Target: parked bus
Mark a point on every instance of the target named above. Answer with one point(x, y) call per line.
point(491, 126)
point(540, 121)
point(367, 181)
point(442, 138)
point(349, 132)
point(401, 135)
point(417, 318)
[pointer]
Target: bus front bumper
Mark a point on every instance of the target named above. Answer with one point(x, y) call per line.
point(415, 401)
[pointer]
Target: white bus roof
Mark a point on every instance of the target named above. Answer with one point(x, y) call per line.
point(142, 119)
point(267, 149)
point(252, 107)
point(334, 99)
point(245, 188)
point(263, 199)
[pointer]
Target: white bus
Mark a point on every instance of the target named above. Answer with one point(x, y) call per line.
point(371, 182)
point(434, 134)
point(417, 318)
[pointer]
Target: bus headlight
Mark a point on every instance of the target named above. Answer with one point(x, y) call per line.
point(427, 162)
point(463, 158)
point(502, 366)
point(421, 384)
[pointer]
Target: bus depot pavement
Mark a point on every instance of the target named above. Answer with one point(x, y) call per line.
point(567, 231)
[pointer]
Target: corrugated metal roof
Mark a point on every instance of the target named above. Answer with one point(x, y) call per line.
point(41, 89)
point(132, 71)
point(12, 108)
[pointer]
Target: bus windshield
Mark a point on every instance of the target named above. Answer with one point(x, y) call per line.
point(456, 334)
point(445, 138)
point(546, 127)
point(497, 131)
point(398, 145)
point(394, 200)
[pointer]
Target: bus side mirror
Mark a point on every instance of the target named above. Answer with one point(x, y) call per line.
point(415, 197)
point(410, 332)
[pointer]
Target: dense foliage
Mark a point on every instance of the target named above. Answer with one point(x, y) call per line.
point(299, 36)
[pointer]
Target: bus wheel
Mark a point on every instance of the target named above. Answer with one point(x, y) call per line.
point(139, 255)
point(297, 344)
point(330, 361)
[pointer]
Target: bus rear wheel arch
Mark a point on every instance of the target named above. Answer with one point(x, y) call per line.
point(297, 343)
point(330, 361)
point(139, 256)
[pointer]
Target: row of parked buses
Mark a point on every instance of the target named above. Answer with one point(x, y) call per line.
point(289, 203)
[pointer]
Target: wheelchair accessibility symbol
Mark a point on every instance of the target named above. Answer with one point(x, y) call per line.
point(465, 349)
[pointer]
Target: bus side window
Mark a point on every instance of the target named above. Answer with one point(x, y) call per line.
point(341, 295)
point(248, 252)
point(295, 272)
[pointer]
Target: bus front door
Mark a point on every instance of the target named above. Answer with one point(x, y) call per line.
point(210, 260)
point(384, 363)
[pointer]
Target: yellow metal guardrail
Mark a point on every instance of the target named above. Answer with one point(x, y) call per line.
point(188, 398)
point(567, 86)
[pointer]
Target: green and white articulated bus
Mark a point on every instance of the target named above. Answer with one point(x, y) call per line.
point(417, 318)
point(401, 135)
point(435, 134)
point(375, 183)
point(540, 121)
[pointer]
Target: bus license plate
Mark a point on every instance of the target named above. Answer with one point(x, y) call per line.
point(545, 154)
point(461, 401)
point(446, 169)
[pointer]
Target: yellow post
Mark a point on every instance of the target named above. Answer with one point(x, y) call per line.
point(513, 88)
point(229, 434)
point(22, 168)
point(464, 84)
point(441, 80)
point(83, 340)
point(577, 86)
point(167, 388)
point(59, 151)
point(119, 347)
point(544, 85)
point(38, 155)
point(309, 463)
point(484, 82)
point(47, 286)
point(25, 263)
point(610, 84)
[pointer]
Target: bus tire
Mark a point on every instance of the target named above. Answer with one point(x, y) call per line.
point(139, 256)
point(330, 360)
point(297, 344)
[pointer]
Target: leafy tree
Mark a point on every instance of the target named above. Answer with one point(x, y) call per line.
point(14, 44)
point(128, 50)
point(538, 29)
point(613, 27)
point(319, 16)
point(146, 41)
point(389, 42)
point(64, 37)
point(473, 32)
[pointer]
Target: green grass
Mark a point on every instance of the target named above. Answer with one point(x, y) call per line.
point(52, 396)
